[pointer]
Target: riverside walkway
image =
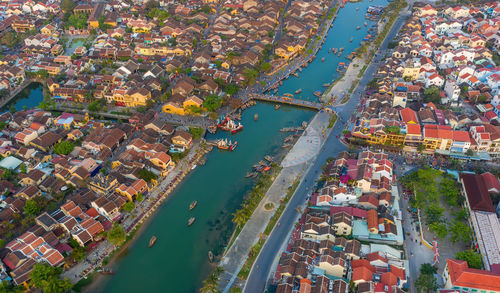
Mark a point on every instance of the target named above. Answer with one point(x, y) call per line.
point(288, 101)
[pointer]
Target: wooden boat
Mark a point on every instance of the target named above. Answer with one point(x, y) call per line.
point(191, 221)
point(255, 117)
point(330, 50)
point(210, 256)
point(317, 93)
point(193, 205)
point(323, 59)
point(358, 27)
point(106, 271)
point(325, 85)
point(357, 8)
point(288, 95)
point(286, 145)
point(276, 107)
point(340, 53)
point(268, 158)
point(298, 91)
point(366, 24)
point(152, 241)
point(350, 40)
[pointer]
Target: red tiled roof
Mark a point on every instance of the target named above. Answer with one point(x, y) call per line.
point(476, 192)
point(389, 279)
point(361, 273)
point(461, 136)
point(408, 115)
point(413, 129)
point(356, 263)
point(463, 276)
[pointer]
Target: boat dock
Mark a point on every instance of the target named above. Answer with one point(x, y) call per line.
point(288, 101)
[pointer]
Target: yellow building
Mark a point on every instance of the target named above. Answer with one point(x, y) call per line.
point(133, 97)
point(177, 104)
point(411, 72)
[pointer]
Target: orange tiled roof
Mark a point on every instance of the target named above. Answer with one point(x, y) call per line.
point(463, 276)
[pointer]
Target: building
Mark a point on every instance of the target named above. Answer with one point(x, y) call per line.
point(457, 275)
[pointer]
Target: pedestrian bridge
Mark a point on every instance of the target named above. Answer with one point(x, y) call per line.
point(288, 101)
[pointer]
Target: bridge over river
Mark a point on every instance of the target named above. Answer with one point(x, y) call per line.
point(288, 101)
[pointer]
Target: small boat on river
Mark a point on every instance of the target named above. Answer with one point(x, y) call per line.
point(256, 117)
point(152, 241)
point(366, 24)
point(268, 158)
point(210, 256)
point(191, 221)
point(318, 93)
point(193, 205)
point(350, 40)
point(298, 91)
point(358, 27)
point(357, 8)
point(288, 95)
point(323, 59)
point(276, 107)
point(106, 271)
point(325, 85)
point(232, 127)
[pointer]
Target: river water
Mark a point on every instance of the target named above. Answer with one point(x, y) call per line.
point(178, 262)
point(30, 97)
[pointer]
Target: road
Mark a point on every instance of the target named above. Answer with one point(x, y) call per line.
point(260, 273)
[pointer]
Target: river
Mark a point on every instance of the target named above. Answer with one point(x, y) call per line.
point(30, 97)
point(178, 262)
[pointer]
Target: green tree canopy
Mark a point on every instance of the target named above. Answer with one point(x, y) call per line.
point(67, 5)
point(472, 258)
point(147, 175)
point(196, 132)
point(129, 206)
point(116, 235)
point(431, 94)
point(212, 103)
point(32, 208)
point(64, 147)
point(47, 278)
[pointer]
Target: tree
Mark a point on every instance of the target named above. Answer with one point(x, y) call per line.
point(460, 231)
point(469, 152)
point(196, 132)
point(32, 208)
point(231, 89)
point(10, 39)
point(439, 229)
point(67, 5)
point(47, 278)
point(472, 258)
point(147, 175)
point(265, 66)
point(63, 148)
point(22, 168)
point(116, 235)
point(129, 206)
point(431, 94)
point(77, 254)
point(139, 197)
point(426, 281)
point(212, 103)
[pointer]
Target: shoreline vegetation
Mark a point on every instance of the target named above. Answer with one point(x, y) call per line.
point(255, 250)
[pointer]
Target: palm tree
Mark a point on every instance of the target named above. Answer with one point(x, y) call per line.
point(209, 285)
point(239, 218)
point(218, 271)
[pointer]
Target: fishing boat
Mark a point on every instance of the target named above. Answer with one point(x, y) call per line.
point(152, 241)
point(358, 27)
point(366, 24)
point(232, 146)
point(286, 145)
point(212, 129)
point(255, 117)
point(276, 107)
point(106, 271)
point(249, 174)
point(318, 93)
point(357, 8)
point(296, 74)
point(340, 53)
point(222, 144)
point(210, 256)
point(193, 205)
point(268, 158)
point(330, 50)
point(194, 167)
point(191, 221)
point(288, 95)
point(323, 59)
point(325, 85)
point(350, 40)
point(232, 127)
